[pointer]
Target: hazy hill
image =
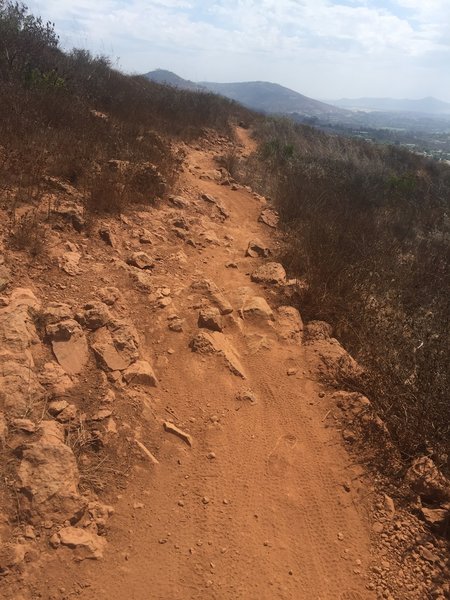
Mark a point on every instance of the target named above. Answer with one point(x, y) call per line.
point(258, 95)
point(272, 98)
point(424, 105)
point(169, 78)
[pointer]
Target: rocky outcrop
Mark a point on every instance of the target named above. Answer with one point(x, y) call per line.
point(289, 324)
point(85, 543)
point(271, 273)
point(269, 217)
point(48, 477)
point(69, 345)
point(256, 308)
point(210, 318)
point(210, 290)
point(140, 373)
point(257, 249)
point(216, 343)
point(116, 345)
point(19, 386)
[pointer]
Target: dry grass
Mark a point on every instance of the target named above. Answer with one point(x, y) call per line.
point(369, 228)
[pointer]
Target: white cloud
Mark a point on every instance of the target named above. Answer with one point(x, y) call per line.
point(296, 42)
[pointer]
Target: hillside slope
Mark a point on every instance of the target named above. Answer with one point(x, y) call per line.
point(262, 96)
point(221, 448)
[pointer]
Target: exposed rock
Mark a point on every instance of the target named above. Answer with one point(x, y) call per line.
point(247, 396)
point(171, 428)
point(17, 329)
point(141, 260)
point(55, 312)
point(351, 402)
point(257, 249)
point(69, 413)
point(216, 343)
point(147, 452)
point(210, 318)
point(108, 237)
point(86, 543)
point(94, 316)
point(212, 292)
point(269, 217)
point(19, 386)
point(212, 200)
point(336, 366)
point(210, 237)
point(48, 476)
point(317, 330)
point(270, 273)
point(53, 376)
point(289, 324)
point(5, 277)
point(181, 222)
point(436, 517)
point(24, 425)
point(109, 295)
point(145, 237)
point(389, 507)
point(11, 555)
point(426, 479)
point(69, 345)
point(257, 308)
point(69, 263)
point(57, 406)
point(176, 324)
point(143, 280)
point(116, 345)
point(3, 430)
point(140, 373)
point(71, 212)
point(179, 202)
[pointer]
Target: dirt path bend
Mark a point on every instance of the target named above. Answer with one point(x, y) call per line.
point(256, 509)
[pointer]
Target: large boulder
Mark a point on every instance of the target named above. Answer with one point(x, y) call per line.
point(48, 477)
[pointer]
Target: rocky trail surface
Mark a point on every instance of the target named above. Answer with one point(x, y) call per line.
point(175, 419)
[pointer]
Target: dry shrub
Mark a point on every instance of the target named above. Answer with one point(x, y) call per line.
point(65, 113)
point(368, 227)
point(28, 234)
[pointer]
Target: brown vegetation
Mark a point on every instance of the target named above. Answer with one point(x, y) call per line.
point(368, 228)
point(68, 114)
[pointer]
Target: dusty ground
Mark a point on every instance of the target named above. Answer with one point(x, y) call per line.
point(267, 502)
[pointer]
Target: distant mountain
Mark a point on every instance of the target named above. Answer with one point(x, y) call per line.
point(259, 95)
point(169, 78)
point(427, 105)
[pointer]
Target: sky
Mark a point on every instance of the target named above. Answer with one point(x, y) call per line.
point(326, 49)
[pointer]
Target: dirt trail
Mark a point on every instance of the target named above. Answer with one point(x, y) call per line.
point(256, 509)
point(262, 517)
